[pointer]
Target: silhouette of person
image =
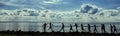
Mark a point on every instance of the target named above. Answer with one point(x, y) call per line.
point(103, 28)
point(115, 30)
point(62, 28)
point(95, 29)
point(76, 27)
point(44, 27)
point(111, 28)
point(89, 28)
point(82, 27)
point(50, 27)
point(71, 29)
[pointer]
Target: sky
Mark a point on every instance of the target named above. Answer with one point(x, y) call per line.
point(56, 5)
point(85, 10)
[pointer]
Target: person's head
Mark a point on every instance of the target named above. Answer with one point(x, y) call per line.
point(81, 24)
point(50, 23)
point(101, 24)
point(88, 24)
point(62, 23)
point(113, 25)
point(76, 23)
point(44, 23)
point(70, 25)
point(110, 24)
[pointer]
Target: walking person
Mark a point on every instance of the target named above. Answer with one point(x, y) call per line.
point(82, 27)
point(62, 28)
point(76, 27)
point(95, 29)
point(111, 28)
point(44, 27)
point(103, 28)
point(71, 29)
point(115, 30)
point(89, 28)
point(50, 27)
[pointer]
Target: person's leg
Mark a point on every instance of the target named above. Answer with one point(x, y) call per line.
point(104, 31)
point(76, 29)
point(116, 31)
point(63, 30)
point(88, 30)
point(52, 30)
point(72, 30)
point(111, 30)
point(96, 31)
point(60, 30)
point(82, 30)
point(44, 30)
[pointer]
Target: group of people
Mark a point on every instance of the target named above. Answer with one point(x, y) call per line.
point(112, 28)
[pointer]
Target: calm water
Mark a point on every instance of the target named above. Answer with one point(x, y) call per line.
point(37, 26)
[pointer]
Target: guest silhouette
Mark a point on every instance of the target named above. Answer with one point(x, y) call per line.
point(62, 28)
point(50, 27)
point(95, 29)
point(103, 28)
point(89, 28)
point(71, 29)
point(111, 28)
point(44, 27)
point(115, 30)
point(82, 27)
point(76, 25)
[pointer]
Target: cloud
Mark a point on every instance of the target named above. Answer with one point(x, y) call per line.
point(12, 3)
point(20, 12)
point(22, 4)
point(109, 12)
point(118, 8)
point(96, 14)
point(86, 13)
point(51, 1)
point(88, 8)
point(36, 4)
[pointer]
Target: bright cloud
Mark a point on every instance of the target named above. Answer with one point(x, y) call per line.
point(88, 8)
point(38, 4)
point(51, 1)
point(86, 13)
point(118, 7)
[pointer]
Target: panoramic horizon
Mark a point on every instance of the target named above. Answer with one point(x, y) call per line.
point(30, 15)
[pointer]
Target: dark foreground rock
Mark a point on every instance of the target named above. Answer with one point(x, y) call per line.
point(31, 33)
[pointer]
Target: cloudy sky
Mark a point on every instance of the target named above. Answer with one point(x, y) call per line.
point(57, 5)
point(85, 10)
